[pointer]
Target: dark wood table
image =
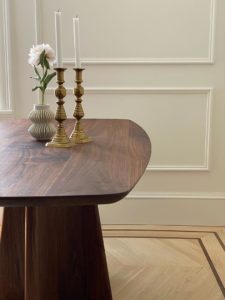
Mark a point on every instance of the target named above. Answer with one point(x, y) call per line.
point(51, 245)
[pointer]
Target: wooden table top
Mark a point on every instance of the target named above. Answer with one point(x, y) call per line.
point(103, 171)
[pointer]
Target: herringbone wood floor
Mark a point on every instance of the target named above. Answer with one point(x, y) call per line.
point(166, 262)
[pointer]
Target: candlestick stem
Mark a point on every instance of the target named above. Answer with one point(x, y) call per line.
point(78, 136)
point(60, 140)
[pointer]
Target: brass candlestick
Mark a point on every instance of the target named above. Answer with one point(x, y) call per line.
point(78, 136)
point(60, 139)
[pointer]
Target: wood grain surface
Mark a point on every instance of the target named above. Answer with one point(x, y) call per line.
point(103, 171)
point(65, 254)
point(12, 254)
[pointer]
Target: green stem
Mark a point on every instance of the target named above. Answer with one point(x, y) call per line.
point(43, 91)
point(42, 97)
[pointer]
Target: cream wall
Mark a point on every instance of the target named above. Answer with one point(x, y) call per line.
point(160, 63)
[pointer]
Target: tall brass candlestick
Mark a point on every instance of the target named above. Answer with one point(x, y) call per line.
point(60, 139)
point(78, 136)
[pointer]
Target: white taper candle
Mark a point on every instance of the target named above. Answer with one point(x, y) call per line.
point(58, 39)
point(76, 32)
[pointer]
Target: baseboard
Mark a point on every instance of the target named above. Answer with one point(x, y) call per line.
point(208, 211)
point(6, 114)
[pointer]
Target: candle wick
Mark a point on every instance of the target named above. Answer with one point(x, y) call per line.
point(58, 10)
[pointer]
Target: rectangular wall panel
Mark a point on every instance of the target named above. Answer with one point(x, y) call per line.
point(177, 121)
point(147, 30)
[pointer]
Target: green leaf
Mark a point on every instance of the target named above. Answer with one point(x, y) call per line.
point(48, 79)
point(46, 63)
point(42, 57)
point(36, 71)
point(35, 88)
point(44, 76)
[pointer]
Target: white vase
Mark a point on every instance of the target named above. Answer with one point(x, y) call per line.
point(42, 128)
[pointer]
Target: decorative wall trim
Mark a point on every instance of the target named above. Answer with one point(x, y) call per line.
point(7, 54)
point(146, 90)
point(140, 90)
point(172, 168)
point(138, 61)
point(208, 128)
point(160, 61)
point(176, 195)
point(212, 30)
point(164, 90)
point(206, 164)
point(38, 28)
point(143, 61)
point(6, 114)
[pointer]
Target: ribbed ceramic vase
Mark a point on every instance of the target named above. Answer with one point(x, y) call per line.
point(42, 128)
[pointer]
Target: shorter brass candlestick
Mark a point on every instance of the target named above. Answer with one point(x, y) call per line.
point(60, 139)
point(78, 136)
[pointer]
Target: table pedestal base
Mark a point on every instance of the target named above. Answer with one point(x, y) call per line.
point(12, 244)
point(65, 256)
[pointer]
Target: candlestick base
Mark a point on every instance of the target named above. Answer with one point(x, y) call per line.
point(60, 140)
point(78, 136)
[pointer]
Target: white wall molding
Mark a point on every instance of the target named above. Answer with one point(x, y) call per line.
point(138, 61)
point(208, 129)
point(164, 90)
point(212, 30)
point(206, 165)
point(144, 61)
point(38, 28)
point(6, 51)
point(6, 114)
point(181, 168)
point(146, 90)
point(176, 195)
point(140, 90)
point(160, 61)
